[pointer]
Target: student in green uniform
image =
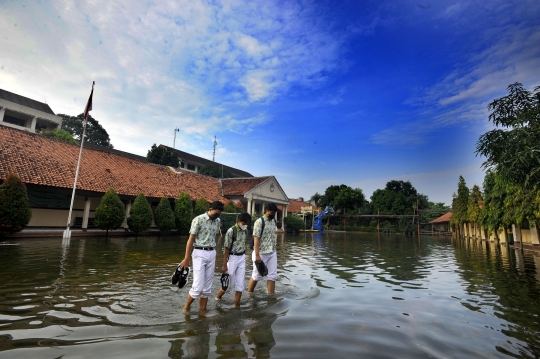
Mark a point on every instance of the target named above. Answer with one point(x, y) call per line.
point(234, 258)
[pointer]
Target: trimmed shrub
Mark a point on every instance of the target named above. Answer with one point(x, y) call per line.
point(110, 213)
point(227, 220)
point(62, 135)
point(183, 212)
point(201, 206)
point(140, 216)
point(239, 207)
point(164, 215)
point(15, 211)
point(294, 222)
point(230, 208)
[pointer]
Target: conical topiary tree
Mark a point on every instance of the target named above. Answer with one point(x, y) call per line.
point(110, 213)
point(140, 216)
point(183, 212)
point(15, 211)
point(201, 206)
point(164, 215)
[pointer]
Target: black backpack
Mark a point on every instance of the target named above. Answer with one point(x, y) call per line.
point(252, 243)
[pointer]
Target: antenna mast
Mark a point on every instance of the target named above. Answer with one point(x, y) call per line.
point(174, 141)
point(214, 155)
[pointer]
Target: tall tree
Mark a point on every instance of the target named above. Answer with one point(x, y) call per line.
point(316, 199)
point(215, 170)
point(513, 150)
point(161, 156)
point(343, 198)
point(164, 215)
point(460, 203)
point(492, 213)
point(398, 197)
point(95, 133)
point(15, 211)
point(183, 212)
point(140, 216)
point(110, 213)
point(474, 204)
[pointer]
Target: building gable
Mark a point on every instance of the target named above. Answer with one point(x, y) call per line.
point(268, 190)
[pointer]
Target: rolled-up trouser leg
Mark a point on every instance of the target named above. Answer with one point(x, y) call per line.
point(203, 273)
point(270, 261)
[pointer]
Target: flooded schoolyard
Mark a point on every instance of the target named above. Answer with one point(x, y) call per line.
point(340, 295)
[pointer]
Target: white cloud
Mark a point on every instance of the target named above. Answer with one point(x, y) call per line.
point(158, 65)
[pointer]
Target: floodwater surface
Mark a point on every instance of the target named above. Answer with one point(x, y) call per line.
point(339, 295)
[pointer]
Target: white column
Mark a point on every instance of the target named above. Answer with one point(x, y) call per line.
point(248, 208)
point(86, 213)
point(284, 215)
point(262, 207)
point(517, 233)
point(2, 112)
point(33, 124)
point(128, 209)
point(534, 235)
point(503, 236)
point(253, 203)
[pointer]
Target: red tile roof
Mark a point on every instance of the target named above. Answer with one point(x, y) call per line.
point(239, 186)
point(43, 161)
point(444, 218)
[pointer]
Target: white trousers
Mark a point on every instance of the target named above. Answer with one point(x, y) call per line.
point(270, 261)
point(202, 273)
point(236, 267)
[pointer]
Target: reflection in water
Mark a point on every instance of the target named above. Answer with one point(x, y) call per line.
point(339, 295)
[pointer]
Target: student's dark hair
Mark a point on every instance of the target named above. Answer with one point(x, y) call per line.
point(217, 205)
point(270, 206)
point(244, 217)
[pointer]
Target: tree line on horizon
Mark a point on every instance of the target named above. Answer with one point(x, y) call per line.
point(396, 198)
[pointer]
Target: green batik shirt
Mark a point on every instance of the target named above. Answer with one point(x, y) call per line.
point(267, 242)
point(205, 230)
point(239, 245)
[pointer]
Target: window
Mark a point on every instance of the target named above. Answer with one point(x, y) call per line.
point(40, 127)
point(14, 120)
point(191, 167)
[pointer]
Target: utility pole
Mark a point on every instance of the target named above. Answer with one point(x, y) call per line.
point(214, 155)
point(174, 141)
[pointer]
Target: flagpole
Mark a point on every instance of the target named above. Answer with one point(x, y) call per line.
point(67, 232)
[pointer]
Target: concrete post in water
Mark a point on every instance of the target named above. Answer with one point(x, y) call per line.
point(86, 214)
point(128, 209)
point(503, 238)
point(517, 234)
point(534, 235)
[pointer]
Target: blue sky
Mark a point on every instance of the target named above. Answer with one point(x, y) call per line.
point(314, 92)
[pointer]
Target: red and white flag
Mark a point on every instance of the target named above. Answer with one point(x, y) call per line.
point(89, 104)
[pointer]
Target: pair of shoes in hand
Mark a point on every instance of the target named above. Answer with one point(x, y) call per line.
point(180, 276)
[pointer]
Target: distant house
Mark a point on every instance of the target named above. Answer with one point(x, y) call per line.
point(194, 163)
point(442, 224)
point(297, 204)
point(23, 113)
